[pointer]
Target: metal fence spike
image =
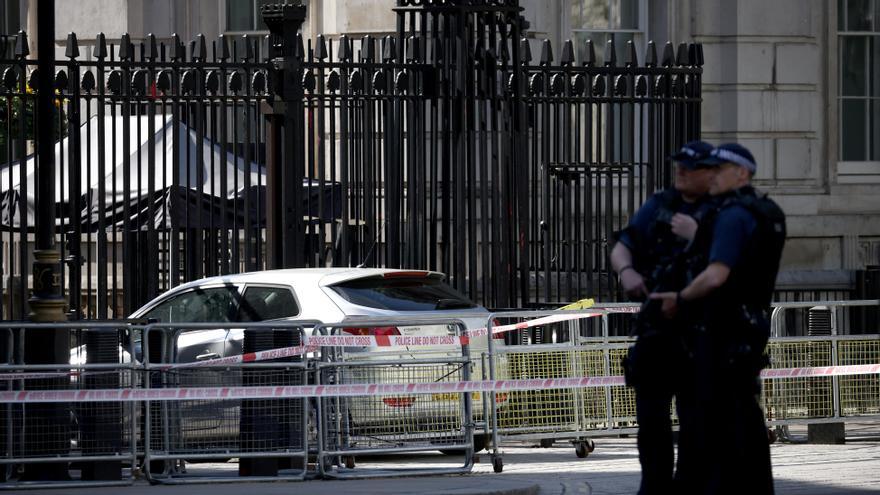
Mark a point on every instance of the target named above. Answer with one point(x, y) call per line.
point(651, 54)
point(681, 57)
point(100, 50)
point(412, 49)
point(388, 49)
point(368, 49)
point(152, 49)
point(567, 53)
point(525, 52)
point(126, 50)
point(200, 50)
point(345, 50)
point(632, 58)
point(320, 47)
point(668, 55)
point(300, 52)
point(546, 53)
point(589, 53)
point(21, 45)
point(247, 54)
point(223, 46)
point(610, 54)
point(72, 49)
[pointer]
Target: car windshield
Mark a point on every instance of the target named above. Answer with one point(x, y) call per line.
point(402, 294)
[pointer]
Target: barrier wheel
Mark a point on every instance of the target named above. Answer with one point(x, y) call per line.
point(497, 464)
point(591, 445)
point(546, 443)
point(582, 450)
point(348, 461)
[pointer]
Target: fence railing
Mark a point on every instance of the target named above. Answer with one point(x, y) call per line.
point(458, 144)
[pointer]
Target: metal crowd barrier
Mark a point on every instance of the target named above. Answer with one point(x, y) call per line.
point(269, 436)
point(821, 399)
point(582, 348)
point(85, 443)
point(351, 427)
point(578, 347)
point(141, 430)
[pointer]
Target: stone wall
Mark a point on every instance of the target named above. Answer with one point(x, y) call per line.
point(770, 83)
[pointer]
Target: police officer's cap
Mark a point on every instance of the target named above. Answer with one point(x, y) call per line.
point(692, 153)
point(732, 153)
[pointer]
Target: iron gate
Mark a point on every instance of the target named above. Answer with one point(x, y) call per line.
point(449, 146)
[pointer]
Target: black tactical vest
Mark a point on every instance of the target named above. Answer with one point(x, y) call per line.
point(752, 282)
point(658, 250)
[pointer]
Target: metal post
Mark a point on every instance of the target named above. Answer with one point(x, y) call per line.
point(285, 148)
point(47, 304)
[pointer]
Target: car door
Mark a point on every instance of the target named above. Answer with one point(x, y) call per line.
point(199, 305)
point(262, 303)
point(200, 420)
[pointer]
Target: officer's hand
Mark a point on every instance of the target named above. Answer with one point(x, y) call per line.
point(633, 284)
point(684, 226)
point(669, 306)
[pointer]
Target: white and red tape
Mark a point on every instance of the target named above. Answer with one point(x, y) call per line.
point(359, 390)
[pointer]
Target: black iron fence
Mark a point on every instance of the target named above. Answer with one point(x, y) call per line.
point(458, 144)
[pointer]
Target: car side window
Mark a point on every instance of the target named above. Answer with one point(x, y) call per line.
point(214, 305)
point(267, 303)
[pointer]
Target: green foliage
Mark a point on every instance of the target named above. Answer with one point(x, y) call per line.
point(11, 128)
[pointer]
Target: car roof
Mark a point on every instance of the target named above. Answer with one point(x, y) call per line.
point(317, 276)
point(299, 278)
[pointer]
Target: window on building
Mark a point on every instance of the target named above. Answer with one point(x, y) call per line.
point(601, 20)
point(10, 23)
point(621, 21)
point(858, 84)
point(9, 17)
point(243, 16)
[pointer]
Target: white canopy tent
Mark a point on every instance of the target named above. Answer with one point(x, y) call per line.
point(214, 167)
point(202, 193)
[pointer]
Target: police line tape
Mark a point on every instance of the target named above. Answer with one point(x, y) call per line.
point(544, 320)
point(315, 342)
point(361, 390)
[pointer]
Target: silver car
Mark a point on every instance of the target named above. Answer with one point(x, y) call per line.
point(328, 295)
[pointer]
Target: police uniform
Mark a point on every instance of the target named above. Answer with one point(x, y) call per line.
point(658, 348)
point(723, 444)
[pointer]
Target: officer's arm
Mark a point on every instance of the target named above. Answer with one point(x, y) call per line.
point(632, 281)
point(707, 281)
point(621, 257)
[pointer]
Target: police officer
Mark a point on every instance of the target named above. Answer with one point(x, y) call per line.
point(642, 257)
point(734, 260)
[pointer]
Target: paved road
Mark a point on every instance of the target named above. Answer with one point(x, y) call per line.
point(800, 469)
point(613, 468)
